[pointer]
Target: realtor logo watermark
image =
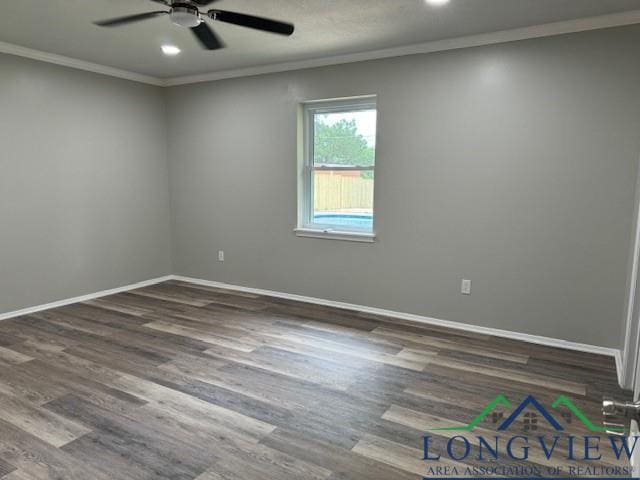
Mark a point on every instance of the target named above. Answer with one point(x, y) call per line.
point(531, 441)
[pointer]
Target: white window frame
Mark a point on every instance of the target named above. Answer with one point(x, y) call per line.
point(306, 227)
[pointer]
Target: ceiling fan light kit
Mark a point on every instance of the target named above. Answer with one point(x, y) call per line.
point(187, 14)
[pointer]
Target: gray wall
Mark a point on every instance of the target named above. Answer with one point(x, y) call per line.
point(84, 202)
point(513, 165)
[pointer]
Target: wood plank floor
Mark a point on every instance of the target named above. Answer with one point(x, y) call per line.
point(180, 381)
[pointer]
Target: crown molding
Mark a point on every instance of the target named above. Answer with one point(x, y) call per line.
point(19, 51)
point(538, 31)
point(503, 36)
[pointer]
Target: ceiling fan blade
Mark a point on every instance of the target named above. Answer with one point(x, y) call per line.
point(203, 3)
point(164, 2)
point(207, 37)
point(114, 22)
point(250, 21)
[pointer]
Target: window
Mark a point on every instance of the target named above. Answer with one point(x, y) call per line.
point(337, 174)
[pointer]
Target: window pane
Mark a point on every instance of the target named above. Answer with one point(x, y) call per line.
point(345, 138)
point(344, 199)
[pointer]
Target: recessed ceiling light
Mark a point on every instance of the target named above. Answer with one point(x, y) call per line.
point(437, 3)
point(170, 50)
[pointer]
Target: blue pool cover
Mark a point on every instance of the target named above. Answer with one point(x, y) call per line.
point(361, 222)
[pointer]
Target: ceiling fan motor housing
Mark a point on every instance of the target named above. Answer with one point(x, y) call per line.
point(185, 15)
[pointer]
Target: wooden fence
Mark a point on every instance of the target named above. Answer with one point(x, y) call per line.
point(337, 192)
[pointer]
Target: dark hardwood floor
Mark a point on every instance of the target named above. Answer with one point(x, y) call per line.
point(181, 381)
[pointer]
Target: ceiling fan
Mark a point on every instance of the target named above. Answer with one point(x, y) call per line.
point(185, 13)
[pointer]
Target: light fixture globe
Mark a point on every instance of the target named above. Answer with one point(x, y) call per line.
point(185, 16)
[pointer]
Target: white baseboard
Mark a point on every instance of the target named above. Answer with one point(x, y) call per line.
point(525, 337)
point(83, 298)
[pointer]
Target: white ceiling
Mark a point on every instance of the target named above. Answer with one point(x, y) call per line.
point(323, 28)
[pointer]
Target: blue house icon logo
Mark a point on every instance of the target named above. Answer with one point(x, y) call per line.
point(530, 402)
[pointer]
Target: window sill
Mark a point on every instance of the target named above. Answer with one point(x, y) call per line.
point(336, 235)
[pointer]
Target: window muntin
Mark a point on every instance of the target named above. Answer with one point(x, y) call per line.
point(339, 166)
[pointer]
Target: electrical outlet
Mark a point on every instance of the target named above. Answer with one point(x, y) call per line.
point(221, 256)
point(465, 289)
